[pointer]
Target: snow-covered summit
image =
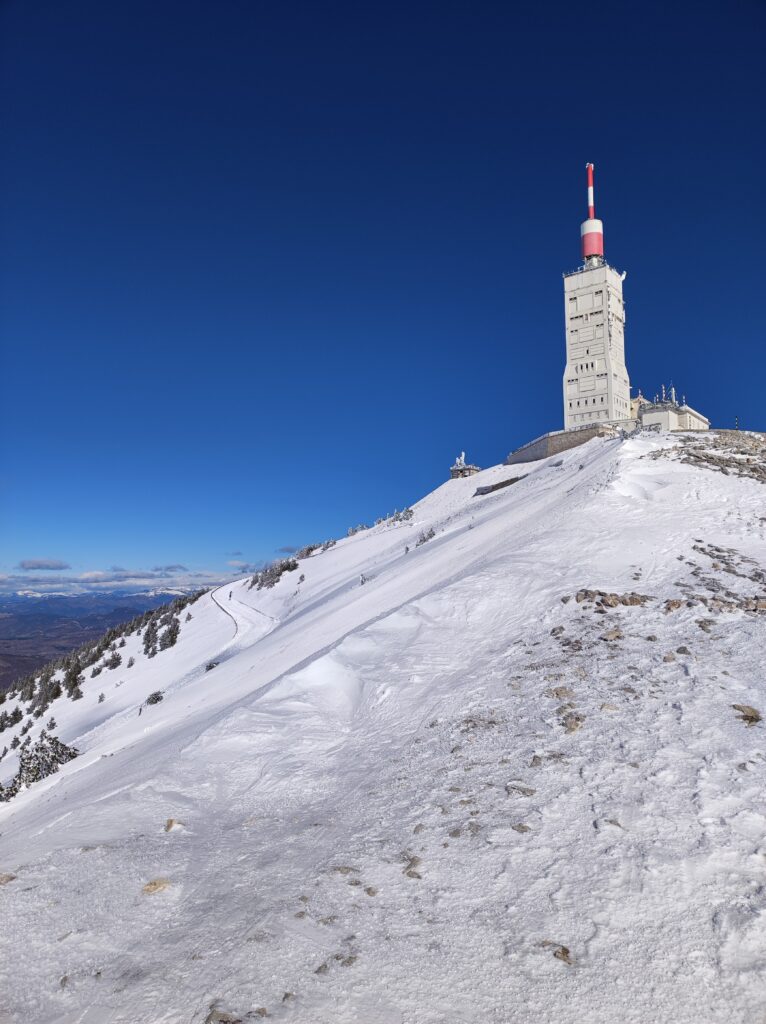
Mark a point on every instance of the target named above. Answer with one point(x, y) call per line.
point(487, 763)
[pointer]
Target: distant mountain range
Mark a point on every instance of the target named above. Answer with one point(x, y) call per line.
point(35, 630)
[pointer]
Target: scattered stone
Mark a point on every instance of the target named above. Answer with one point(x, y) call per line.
point(516, 787)
point(521, 828)
point(747, 714)
point(6, 877)
point(572, 721)
point(557, 631)
point(683, 650)
point(563, 954)
point(560, 952)
point(672, 605)
point(652, 638)
point(609, 600)
point(609, 707)
point(221, 1017)
point(669, 657)
point(559, 692)
point(410, 867)
point(612, 634)
point(344, 869)
point(371, 890)
point(172, 823)
point(156, 885)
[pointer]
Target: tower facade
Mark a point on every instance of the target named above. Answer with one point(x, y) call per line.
point(596, 384)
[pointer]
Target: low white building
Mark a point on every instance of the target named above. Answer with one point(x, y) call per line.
point(672, 415)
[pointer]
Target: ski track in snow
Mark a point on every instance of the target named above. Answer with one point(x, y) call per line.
point(445, 795)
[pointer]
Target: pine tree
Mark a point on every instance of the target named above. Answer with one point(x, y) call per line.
point(38, 762)
point(169, 637)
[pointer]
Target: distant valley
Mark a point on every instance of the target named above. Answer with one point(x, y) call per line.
point(35, 630)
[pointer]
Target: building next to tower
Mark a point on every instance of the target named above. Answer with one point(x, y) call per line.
point(596, 383)
point(597, 400)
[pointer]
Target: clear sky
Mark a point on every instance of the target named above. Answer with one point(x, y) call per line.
point(268, 267)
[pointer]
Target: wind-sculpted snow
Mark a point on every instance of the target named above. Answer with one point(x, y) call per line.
point(509, 778)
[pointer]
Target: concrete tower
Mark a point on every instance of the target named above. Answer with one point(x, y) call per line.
point(596, 385)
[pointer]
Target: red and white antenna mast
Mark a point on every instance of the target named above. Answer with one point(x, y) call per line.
point(592, 230)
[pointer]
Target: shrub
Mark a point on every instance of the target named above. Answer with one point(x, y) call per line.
point(272, 574)
point(155, 698)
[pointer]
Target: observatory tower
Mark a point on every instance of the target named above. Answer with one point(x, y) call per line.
point(596, 385)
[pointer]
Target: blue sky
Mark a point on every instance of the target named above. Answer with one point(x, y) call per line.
point(266, 268)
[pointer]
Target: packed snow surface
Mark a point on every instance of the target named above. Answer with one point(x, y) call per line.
point(427, 783)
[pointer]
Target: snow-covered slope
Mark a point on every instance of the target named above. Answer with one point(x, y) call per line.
point(470, 788)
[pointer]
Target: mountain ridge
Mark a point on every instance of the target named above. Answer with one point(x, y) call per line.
point(434, 745)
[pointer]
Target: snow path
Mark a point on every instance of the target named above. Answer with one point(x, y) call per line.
point(398, 802)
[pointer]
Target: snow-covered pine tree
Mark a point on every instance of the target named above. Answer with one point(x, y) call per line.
point(37, 762)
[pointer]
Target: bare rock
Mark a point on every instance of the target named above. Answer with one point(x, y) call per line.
point(572, 721)
point(612, 635)
point(157, 885)
point(747, 714)
point(512, 788)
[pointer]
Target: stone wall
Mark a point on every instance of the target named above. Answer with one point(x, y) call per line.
point(559, 441)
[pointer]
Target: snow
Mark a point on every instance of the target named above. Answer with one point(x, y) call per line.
point(409, 801)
